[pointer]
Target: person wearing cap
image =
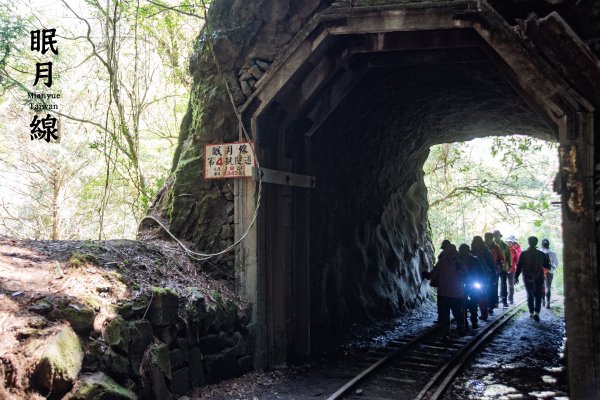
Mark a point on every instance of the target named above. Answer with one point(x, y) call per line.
point(549, 273)
point(498, 261)
point(505, 266)
point(515, 253)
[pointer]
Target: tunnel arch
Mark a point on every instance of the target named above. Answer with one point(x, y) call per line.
point(341, 49)
point(369, 207)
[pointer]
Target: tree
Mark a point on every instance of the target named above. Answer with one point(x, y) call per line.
point(12, 28)
point(474, 187)
point(119, 94)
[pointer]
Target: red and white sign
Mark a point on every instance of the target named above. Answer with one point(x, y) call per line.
point(228, 160)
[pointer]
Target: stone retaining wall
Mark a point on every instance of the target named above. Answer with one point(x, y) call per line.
point(159, 346)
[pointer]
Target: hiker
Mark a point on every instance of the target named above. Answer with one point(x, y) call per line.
point(480, 250)
point(532, 263)
point(515, 253)
point(443, 246)
point(473, 283)
point(498, 260)
point(505, 266)
point(549, 273)
point(450, 274)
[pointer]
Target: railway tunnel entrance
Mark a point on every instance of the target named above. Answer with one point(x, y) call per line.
point(369, 238)
point(343, 123)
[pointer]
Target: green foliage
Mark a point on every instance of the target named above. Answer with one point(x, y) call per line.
point(123, 95)
point(495, 183)
point(12, 30)
point(13, 45)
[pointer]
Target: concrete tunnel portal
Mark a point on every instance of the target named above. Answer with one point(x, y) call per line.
point(343, 123)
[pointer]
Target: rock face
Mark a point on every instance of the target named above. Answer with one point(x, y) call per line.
point(368, 224)
point(369, 211)
point(184, 342)
point(247, 37)
point(173, 350)
point(163, 307)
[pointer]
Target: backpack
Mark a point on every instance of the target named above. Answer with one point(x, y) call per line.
point(533, 267)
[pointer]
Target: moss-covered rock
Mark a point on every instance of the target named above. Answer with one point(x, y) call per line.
point(225, 316)
point(245, 364)
point(134, 309)
point(159, 356)
point(140, 337)
point(157, 370)
point(164, 306)
point(214, 367)
point(178, 358)
point(99, 386)
point(180, 384)
point(42, 306)
point(195, 307)
point(81, 318)
point(117, 335)
point(239, 344)
point(196, 368)
point(78, 259)
point(117, 365)
point(60, 363)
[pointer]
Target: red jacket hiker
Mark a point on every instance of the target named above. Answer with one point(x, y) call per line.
point(515, 253)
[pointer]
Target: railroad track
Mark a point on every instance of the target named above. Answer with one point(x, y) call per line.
point(422, 367)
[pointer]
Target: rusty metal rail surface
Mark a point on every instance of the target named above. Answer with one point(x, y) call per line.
point(425, 366)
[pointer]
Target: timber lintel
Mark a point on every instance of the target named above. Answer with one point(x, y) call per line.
point(267, 175)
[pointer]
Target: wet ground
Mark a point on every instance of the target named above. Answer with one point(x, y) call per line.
point(523, 362)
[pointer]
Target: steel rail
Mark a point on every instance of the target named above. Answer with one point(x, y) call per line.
point(367, 371)
point(448, 371)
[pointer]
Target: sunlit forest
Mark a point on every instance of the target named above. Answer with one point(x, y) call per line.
point(504, 183)
point(122, 76)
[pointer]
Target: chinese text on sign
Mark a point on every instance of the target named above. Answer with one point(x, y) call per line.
point(228, 160)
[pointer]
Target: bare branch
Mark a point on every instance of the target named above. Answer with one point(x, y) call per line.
point(175, 9)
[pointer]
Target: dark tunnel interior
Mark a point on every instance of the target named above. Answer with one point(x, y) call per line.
point(368, 219)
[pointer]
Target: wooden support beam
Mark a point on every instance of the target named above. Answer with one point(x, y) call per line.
point(334, 95)
point(429, 57)
point(402, 41)
point(267, 175)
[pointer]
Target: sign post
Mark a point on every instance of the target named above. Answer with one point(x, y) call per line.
point(228, 160)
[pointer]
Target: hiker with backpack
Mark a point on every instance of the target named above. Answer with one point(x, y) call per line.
point(479, 249)
point(515, 253)
point(532, 263)
point(474, 283)
point(450, 273)
point(498, 258)
point(549, 273)
point(505, 266)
